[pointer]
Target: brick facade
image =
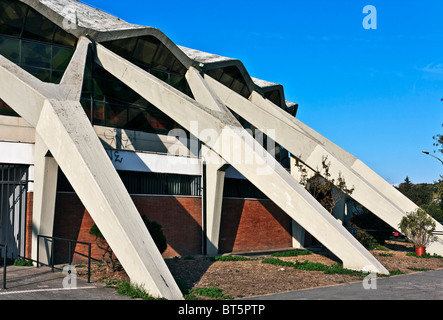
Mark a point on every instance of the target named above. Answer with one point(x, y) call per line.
point(246, 225)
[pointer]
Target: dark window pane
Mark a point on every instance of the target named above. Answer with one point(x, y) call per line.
point(41, 74)
point(86, 104)
point(145, 50)
point(246, 92)
point(10, 49)
point(12, 14)
point(116, 115)
point(6, 110)
point(178, 82)
point(161, 75)
point(274, 97)
point(61, 58)
point(138, 119)
point(226, 79)
point(123, 47)
point(178, 67)
point(63, 38)
point(99, 113)
point(57, 76)
point(38, 27)
point(36, 54)
point(215, 73)
point(163, 59)
point(237, 86)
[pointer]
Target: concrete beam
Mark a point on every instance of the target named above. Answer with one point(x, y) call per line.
point(66, 131)
point(45, 190)
point(214, 175)
point(270, 177)
point(263, 114)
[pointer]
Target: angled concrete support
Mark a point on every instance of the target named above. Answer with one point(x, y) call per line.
point(263, 114)
point(264, 171)
point(214, 177)
point(45, 189)
point(67, 133)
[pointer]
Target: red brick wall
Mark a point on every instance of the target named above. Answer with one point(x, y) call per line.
point(247, 225)
point(252, 225)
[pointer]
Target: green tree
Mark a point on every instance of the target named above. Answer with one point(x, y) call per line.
point(325, 189)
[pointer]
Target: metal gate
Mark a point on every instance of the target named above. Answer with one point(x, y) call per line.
point(13, 203)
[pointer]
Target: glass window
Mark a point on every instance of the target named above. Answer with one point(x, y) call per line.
point(138, 119)
point(215, 73)
point(38, 27)
point(61, 58)
point(116, 115)
point(41, 74)
point(12, 14)
point(123, 47)
point(56, 76)
point(163, 59)
point(61, 37)
point(10, 48)
point(36, 54)
point(160, 74)
point(99, 113)
point(6, 110)
point(274, 97)
point(145, 50)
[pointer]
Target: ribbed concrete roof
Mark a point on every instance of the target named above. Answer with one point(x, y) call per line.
point(102, 26)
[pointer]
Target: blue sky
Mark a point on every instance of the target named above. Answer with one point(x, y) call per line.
point(374, 92)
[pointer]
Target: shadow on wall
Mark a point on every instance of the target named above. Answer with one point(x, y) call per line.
point(253, 225)
point(180, 218)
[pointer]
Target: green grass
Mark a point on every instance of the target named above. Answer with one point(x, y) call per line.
point(212, 292)
point(134, 291)
point(424, 256)
point(232, 258)
point(292, 253)
point(313, 266)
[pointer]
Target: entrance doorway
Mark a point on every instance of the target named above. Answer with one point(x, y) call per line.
point(13, 203)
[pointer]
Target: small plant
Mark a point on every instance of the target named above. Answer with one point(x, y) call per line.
point(418, 227)
point(232, 258)
point(134, 291)
point(23, 263)
point(292, 253)
point(211, 292)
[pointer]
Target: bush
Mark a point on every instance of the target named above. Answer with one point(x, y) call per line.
point(156, 231)
point(418, 227)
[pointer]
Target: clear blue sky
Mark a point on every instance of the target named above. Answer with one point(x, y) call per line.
point(376, 93)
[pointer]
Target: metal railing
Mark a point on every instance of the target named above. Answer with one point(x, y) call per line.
point(69, 252)
point(5, 253)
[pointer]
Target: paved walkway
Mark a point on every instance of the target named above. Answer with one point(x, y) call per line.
point(29, 283)
point(415, 286)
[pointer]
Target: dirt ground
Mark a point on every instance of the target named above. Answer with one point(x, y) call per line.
point(250, 278)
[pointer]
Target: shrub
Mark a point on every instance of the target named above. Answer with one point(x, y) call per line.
point(418, 227)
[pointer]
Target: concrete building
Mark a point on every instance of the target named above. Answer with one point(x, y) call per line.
point(102, 121)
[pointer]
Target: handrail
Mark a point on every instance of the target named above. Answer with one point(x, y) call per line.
point(69, 252)
point(4, 264)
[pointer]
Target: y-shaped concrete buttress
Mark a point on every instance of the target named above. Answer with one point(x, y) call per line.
point(370, 189)
point(270, 177)
point(63, 126)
